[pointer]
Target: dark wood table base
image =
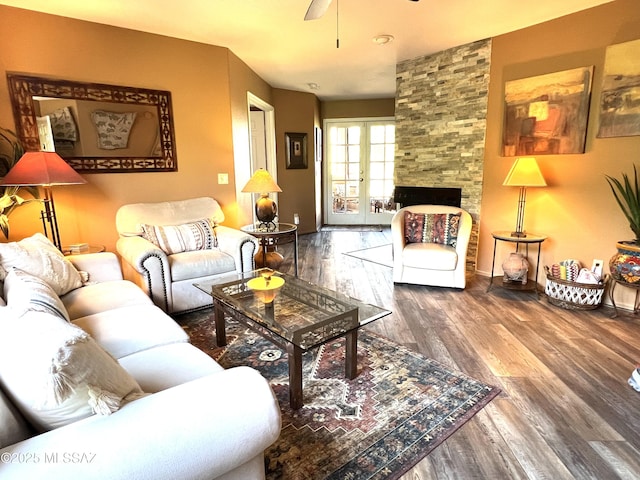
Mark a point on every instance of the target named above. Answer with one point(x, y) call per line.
point(294, 353)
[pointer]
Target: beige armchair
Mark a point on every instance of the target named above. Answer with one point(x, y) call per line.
point(168, 278)
point(417, 259)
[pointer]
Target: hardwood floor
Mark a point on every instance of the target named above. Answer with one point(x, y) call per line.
point(565, 411)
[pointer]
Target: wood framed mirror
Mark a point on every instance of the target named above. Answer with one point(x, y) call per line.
point(96, 128)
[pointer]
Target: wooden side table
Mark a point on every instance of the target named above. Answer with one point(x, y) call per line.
point(269, 239)
point(530, 239)
point(66, 250)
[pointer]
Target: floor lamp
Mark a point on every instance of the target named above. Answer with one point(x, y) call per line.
point(44, 169)
point(524, 173)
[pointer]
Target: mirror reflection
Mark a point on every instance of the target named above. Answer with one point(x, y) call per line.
point(81, 128)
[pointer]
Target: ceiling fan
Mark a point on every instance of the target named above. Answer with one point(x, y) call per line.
point(317, 8)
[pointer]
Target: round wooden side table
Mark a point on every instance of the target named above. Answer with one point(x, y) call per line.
point(530, 239)
point(269, 238)
point(68, 249)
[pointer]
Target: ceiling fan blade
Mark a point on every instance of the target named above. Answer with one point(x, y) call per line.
point(317, 9)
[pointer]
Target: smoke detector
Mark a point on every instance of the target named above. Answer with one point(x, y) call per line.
point(382, 39)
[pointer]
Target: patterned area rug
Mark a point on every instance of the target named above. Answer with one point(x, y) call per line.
point(382, 255)
point(398, 409)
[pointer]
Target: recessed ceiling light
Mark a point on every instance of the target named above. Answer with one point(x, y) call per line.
point(383, 39)
point(313, 86)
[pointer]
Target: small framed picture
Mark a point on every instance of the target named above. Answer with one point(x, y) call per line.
point(296, 153)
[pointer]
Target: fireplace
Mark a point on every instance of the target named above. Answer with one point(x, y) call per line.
point(408, 196)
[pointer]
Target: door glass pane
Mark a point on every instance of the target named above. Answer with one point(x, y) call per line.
point(377, 153)
point(381, 165)
point(354, 171)
point(345, 168)
point(354, 154)
point(376, 170)
point(377, 134)
point(354, 135)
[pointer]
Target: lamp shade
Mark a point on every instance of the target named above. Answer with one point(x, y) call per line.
point(525, 173)
point(42, 168)
point(261, 182)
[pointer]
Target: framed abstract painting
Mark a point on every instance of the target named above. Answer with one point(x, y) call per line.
point(620, 99)
point(547, 114)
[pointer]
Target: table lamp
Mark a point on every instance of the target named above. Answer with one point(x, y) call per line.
point(261, 182)
point(44, 169)
point(524, 173)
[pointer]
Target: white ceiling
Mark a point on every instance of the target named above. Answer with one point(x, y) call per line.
point(273, 39)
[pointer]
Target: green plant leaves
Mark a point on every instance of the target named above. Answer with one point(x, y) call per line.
point(627, 194)
point(10, 152)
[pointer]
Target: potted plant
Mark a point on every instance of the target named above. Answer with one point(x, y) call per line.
point(625, 265)
point(10, 152)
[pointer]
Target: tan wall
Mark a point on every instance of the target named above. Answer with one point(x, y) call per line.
point(576, 210)
point(381, 107)
point(204, 105)
point(243, 80)
point(297, 112)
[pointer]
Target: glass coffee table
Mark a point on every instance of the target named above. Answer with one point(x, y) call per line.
point(302, 316)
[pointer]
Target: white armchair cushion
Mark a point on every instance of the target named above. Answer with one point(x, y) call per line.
point(60, 375)
point(199, 235)
point(197, 264)
point(432, 256)
point(39, 257)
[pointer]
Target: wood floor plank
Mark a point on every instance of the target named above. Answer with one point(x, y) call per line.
point(623, 458)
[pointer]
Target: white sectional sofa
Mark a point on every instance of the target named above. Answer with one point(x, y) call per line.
point(179, 415)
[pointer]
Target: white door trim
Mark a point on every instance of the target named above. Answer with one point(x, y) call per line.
point(245, 201)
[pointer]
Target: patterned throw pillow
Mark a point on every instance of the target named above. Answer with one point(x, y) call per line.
point(431, 228)
point(171, 239)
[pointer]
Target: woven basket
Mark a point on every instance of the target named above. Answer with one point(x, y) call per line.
point(574, 295)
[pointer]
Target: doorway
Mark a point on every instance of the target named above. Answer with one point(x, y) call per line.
point(359, 171)
point(262, 149)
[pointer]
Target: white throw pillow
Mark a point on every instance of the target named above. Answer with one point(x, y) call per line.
point(199, 235)
point(57, 374)
point(24, 292)
point(39, 257)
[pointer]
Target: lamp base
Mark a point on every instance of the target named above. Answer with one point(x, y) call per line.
point(519, 234)
point(266, 209)
point(268, 257)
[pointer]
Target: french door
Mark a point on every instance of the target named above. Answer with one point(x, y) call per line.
point(359, 171)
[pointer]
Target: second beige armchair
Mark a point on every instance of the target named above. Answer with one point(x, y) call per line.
point(430, 245)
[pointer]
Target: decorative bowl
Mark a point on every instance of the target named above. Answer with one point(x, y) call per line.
point(265, 288)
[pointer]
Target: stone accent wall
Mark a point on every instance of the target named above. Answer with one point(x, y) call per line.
point(441, 109)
